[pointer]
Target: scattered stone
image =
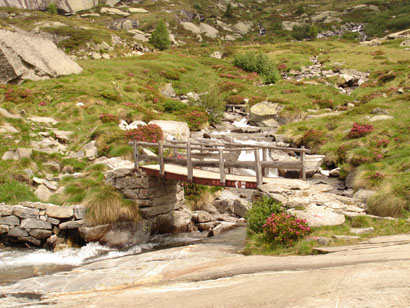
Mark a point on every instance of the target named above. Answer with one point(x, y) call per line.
point(43, 120)
point(17, 232)
point(4, 229)
point(137, 10)
point(74, 224)
point(189, 26)
point(262, 113)
point(208, 30)
point(173, 130)
point(381, 118)
point(345, 237)
point(7, 128)
point(9, 221)
point(241, 207)
point(362, 230)
point(364, 194)
point(113, 11)
point(25, 212)
point(222, 227)
point(5, 210)
point(8, 115)
point(40, 234)
point(31, 223)
point(17, 154)
point(55, 167)
point(20, 58)
point(335, 173)
point(90, 150)
point(43, 193)
point(56, 211)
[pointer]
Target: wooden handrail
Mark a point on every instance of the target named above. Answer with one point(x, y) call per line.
point(195, 153)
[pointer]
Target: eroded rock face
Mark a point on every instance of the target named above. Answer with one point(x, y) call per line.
point(26, 56)
point(173, 129)
point(67, 6)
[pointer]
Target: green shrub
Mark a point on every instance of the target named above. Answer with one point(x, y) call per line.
point(260, 211)
point(228, 11)
point(304, 32)
point(259, 63)
point(212, 102)
point(285, 229)
point(52, 9)
point(160, 37)
point(173, 105)
point(195, 119)
point(351, 36)
point(148, 133)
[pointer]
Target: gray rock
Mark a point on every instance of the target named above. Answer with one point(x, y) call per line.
point(206, 226)
point(173, 222)
point(8, 115)
point(31, 223)
point(168, 91)
point(381, 118)
point(56, 211)
point(55, 167)
point(79, 212)
point(222, 227)
point(208, 30)
point(40, 234)
point(318, 216)
point(262, 113)
point(173, 129)
point(4, 229)
point(30, 239)
point(364, 194)
point(189, 26)
point(17, 232)
point(17, 154)
point(67, 6)
point(335, 173)
point(362, 230)
point(345, 237)
point(90, 150)
point(125, 234)
point(25, 212)
point(93, 234)
point(9, 221)
point(28, 56)
point(74, 224)
point(53, 221)
point(5, 210)
point(113, 11)
point(202, 216)
point(241, 207)
point(43, 193)
point(7, 128)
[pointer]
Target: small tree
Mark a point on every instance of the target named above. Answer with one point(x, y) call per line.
point(229, 11)
point(160, 37)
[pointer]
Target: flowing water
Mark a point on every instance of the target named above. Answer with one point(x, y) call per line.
point(16, 264)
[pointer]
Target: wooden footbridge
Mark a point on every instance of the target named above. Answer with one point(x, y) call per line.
point(182, 161)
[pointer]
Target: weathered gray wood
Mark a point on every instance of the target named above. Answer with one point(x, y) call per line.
point(161, 158)
point(258, 168)
point(222, 166)
point(189, 162)
point(136, 156)
point(303, 169)
point(264, 158)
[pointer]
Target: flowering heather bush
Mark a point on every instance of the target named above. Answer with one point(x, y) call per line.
point(285, 229)
point(16, 95)
point(229, 86)
point(382, 143)
point(108, 117)
point(324, 103)
point(195, 119)
point(148, 133)
point(235, 99)
point(359, 130)
point(282, 66)
point(312, 138)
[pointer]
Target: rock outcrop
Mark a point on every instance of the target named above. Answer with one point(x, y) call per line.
point(66, 6)
point(24, 55)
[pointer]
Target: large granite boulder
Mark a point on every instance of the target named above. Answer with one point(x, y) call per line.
point(67, 6)
point(173, 129)
point(265, 114)
point(24, 55)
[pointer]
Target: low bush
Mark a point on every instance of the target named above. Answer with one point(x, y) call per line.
point(108, 117)
point(174, 105)
point(359, 130)
point(285, 229)
point(304, 32)
point(16, 95)
point(258, 63)
point(235, 99)
point(195, 119)
point(260, 211)
point(212, 102)
point(148, 133)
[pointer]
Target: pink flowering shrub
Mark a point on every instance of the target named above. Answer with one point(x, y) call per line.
point(195, 119)
point(382, 143)
point(148, 133)
point(359, 130)
point(285, 229)
point(108, 117)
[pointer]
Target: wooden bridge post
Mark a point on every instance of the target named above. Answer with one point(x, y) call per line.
point(222, 166)
point(258, 168)
point(136, 156)
point(264, 158)
point(161, 158)
point(302, 159)
point(189, 162)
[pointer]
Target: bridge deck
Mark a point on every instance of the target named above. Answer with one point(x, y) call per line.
point(204, 177)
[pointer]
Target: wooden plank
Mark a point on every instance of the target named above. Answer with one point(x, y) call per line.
point(258, 168)
point(189, 162)
point(302, 159)
point(264, 158)
point(161, 158)
point(136, 156)
point(222, 166)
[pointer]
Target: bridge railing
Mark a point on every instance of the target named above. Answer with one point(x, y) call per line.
point(221, 155)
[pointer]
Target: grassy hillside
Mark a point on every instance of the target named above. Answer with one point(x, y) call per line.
point(129, 88)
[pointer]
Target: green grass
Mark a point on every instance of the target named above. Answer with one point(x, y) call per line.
point(13, 192)
point(257, 244)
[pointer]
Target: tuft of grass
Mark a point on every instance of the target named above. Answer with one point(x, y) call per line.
point(105, 205)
